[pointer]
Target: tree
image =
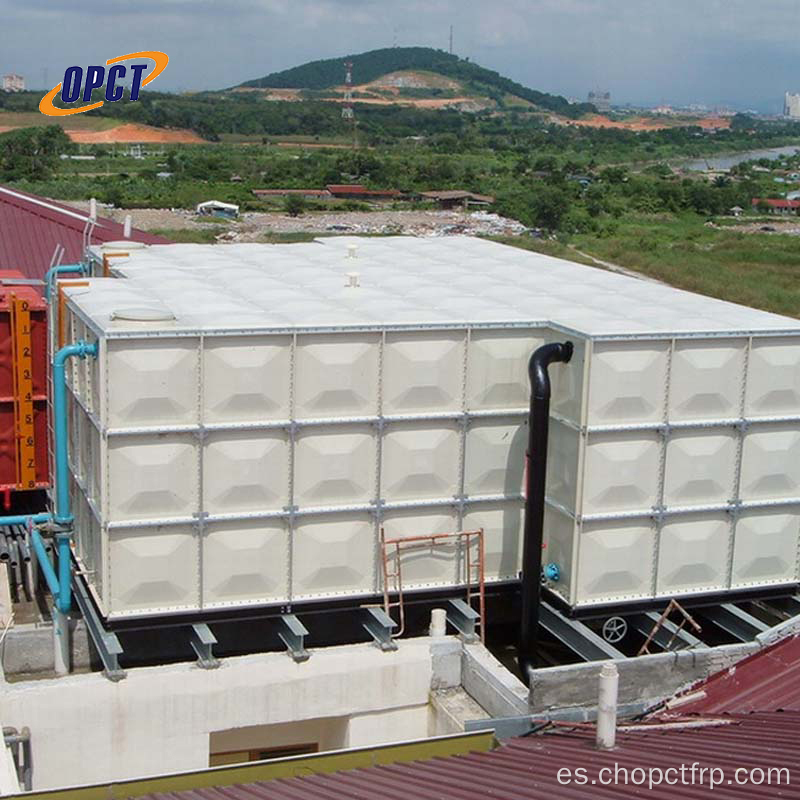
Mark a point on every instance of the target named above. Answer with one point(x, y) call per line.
point(294, 205)
point(32, 153)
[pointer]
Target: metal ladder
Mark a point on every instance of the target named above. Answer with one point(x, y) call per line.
point(686, 617)
point(465, 542)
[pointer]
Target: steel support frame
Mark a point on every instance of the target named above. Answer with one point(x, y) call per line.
point(379, 625)
point(578, 637)
point(105, 642)
point(463, 618)
point(292, 633)
point(202, 641)
point(739, 624)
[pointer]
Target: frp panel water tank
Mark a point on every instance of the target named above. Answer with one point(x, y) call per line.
point(253, 422)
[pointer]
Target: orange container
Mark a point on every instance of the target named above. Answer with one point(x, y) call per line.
point(23, 387)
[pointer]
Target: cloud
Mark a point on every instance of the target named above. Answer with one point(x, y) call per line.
point(712, 51)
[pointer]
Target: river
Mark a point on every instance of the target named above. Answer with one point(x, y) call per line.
point(732, 159)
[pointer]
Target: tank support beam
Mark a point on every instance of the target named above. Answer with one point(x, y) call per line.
point(463, 618)
point(736, 622)
point(379, 625)
point(105, 642)
point(203, 641)
point(578, 637)
point(293, 633)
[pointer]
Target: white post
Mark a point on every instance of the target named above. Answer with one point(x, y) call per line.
point(61, 641)
point(607, 707)
point(438, 622)
point(126, 231)
point(92, 208)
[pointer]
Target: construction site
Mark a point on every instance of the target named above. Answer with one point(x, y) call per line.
point(411, 516)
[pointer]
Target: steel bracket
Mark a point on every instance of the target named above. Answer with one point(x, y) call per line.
point(581, 639)
point(379, 625)
point(202, 642)
point(292, 633)
point(739, 624)
point(105, 642)
point(463, 618)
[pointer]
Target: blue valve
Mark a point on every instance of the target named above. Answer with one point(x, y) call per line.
point(552, 572)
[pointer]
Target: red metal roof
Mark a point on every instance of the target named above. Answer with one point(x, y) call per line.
point(768, 680)
point(281, 192)
point(531, 768)
point(31, 227)
point(775, 202)
point(358, 189)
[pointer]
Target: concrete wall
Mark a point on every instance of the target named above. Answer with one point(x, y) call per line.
point(646, 679)
point(329, 733)
point(158, 720)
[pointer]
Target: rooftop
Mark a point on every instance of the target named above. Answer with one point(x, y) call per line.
point(33, 226)
point(404, 282)
point(533, 768)
point(766, 681)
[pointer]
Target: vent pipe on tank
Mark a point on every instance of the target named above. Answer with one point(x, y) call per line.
point(538, 426)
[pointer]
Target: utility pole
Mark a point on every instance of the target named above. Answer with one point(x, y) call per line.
point(451, 40)
point(347, 108)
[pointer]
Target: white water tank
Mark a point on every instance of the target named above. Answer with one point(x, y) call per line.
point(244, 436)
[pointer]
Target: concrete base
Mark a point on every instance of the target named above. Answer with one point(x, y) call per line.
point(646, 680)
point(171, 718)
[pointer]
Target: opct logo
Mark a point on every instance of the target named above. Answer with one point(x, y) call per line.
point(96, 77)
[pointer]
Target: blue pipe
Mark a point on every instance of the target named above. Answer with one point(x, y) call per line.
point(60, 585)
point(23, 519)
point(44, 564)
point(81, 349)
point(64, 269)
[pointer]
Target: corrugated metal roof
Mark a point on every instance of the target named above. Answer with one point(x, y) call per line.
point(766, 681)
point(31, 227)
point(529, 768)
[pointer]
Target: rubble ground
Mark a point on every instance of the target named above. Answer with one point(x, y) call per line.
point(253, 226)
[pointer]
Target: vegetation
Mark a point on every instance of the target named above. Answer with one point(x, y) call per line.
point(371, 65)
point(32, 153)
point(756, 269)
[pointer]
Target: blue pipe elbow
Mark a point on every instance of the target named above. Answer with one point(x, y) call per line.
point(64, 269)
point(81, 349)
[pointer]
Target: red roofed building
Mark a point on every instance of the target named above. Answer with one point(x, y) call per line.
point(32, 227)
point(355, 191)
point(776, 205)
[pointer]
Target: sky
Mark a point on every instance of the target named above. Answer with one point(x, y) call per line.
point(736, 53)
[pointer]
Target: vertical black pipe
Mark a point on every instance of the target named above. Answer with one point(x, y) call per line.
point(538, 425)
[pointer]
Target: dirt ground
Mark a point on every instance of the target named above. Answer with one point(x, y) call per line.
point(134, 133)
point(252, 226)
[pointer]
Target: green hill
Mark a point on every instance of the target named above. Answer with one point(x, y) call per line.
point(371, 65)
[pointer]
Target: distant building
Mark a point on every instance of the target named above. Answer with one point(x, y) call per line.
point(216, 208)
point(600, 100)
point(13, 82)
point(736, 211)
point(776, 206)
point(791, 105)
point(308, 194)
point(355, 191)
point(457, 198)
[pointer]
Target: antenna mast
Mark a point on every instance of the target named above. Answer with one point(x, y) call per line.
point(347, 108)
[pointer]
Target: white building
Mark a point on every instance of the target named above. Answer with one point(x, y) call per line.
point(13, 82)
point(791, 105)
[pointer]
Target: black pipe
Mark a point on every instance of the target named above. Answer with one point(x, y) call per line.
point(533, 536)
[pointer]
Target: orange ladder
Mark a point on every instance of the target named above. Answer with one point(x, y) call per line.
point(465, 541)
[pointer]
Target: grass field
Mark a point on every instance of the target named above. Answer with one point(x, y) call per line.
point(761, 270)
point(76, 122)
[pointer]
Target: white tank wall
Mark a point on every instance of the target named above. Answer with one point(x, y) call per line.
point(216, 470)
point(688, 471)
point(234, 470)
